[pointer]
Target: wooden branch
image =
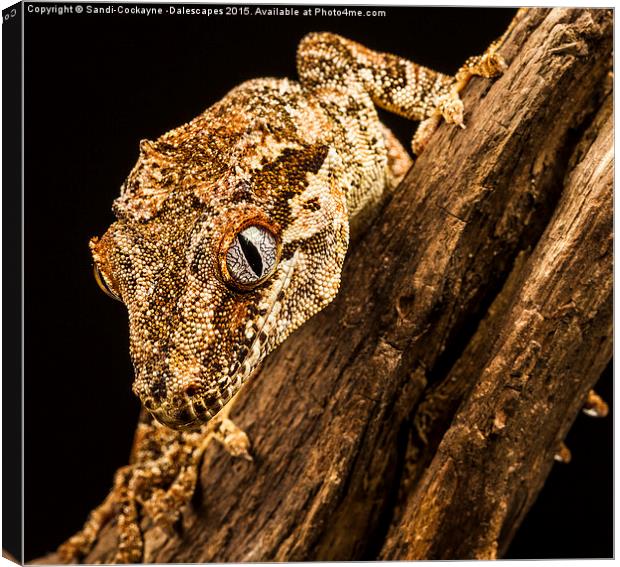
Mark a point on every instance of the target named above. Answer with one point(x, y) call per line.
point(553, 343)
point(329, 413)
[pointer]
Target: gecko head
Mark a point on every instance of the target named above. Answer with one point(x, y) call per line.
point(220, 269)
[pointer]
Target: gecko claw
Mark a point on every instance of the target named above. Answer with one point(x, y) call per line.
point(563, 454)
point(595, 406)
point(234, 440)
point(452, 109)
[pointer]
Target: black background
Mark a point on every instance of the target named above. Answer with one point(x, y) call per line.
point(94, 86)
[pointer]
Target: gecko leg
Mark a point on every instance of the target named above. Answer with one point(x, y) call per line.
point(233, 439)
point(449, 105)
point(130, 543)
point(156, 486)
point(391, 82)
point(78, 545)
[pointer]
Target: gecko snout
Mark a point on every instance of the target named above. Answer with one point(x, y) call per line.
point(176, 420)
point(184, 407)
point(180, 414)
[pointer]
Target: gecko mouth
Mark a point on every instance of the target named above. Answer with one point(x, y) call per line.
point(187, 413)
point(183, 418)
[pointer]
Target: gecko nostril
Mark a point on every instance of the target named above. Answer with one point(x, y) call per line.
point(192, 390)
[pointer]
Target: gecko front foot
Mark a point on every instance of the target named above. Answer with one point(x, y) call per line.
point(233, 439)
point(488, 65)
point(451, 108)
point(449, 105)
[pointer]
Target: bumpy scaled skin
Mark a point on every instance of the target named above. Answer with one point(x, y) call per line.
point(232, 231)
point(299, 161)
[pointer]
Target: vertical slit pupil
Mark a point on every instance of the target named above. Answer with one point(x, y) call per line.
point(252, 255)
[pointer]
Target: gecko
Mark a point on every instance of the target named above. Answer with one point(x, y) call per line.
point(231, 231)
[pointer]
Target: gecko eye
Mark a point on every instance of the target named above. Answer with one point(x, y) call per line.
point(104, 286)
point(252, 256)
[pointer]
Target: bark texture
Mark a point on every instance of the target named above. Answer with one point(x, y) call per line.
point(474, 316)
point(546, 353)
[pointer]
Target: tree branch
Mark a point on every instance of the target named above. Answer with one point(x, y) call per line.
point(552, 344)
